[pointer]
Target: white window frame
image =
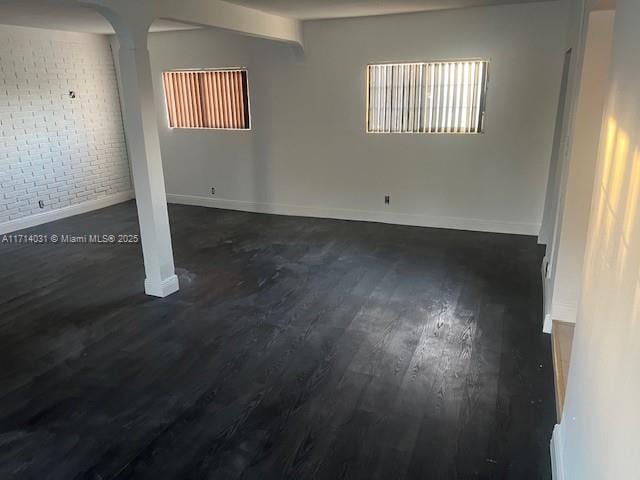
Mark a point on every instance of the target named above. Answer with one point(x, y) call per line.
point(407, 123)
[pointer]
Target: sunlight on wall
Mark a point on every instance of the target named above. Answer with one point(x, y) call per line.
point(602, 179)
point(629, 230)
point(600, 419)
point(600, 212)
point(611, 284)
point(614, 217)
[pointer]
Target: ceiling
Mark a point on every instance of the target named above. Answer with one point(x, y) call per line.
point(56, 16)
point(40, 14)
point(316, 9)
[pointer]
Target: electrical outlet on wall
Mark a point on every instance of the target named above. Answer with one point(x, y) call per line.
point(40, 203)
point(387, 199)
point(213, 190)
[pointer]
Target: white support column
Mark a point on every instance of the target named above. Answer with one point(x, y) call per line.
point(143, 144)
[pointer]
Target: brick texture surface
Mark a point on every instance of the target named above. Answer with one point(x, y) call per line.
point(53, 148)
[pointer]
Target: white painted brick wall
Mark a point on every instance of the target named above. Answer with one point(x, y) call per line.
point(53, 148)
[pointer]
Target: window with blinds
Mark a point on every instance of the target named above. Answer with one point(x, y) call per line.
point(207, 99)
point(434, 97)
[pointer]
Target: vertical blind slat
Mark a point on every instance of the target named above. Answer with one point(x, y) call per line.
point(379, 97)
point(382, 97)
point(169, 109)
point(429, 96)
point(445, 97)
point(197, 96)
point(174, 99)
point(465, 93)
point(179, 100)
point(192, 99)
point(229, 100)
point(217, 104)
point(224, 108)
point(417, 106)
point(185, 97)
point(187, 88)
point(204, 101)
point(458, 99)
point(405, 98)
point(412, 98)
point(179, 79)
point(483, 78)
point(207, 99)
point(235, 105)
point(390, 89)
point(376, 99)
point(373, 95)
point(436, 97)
point(239, 101)
point(236, 79)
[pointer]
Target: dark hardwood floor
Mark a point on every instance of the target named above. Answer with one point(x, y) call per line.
point(296, 348)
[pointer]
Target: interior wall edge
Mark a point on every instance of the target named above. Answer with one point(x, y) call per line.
point(63, 141)
point(564, 311)
point(557, 468)
point(70, 211)
point(396, 218)
point(300, 152)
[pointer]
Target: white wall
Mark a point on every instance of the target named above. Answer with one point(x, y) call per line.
point(69, 153)
point(308, 152)
point(574, 217)
point(600, 424)
point(557, 176)
point(574, 42)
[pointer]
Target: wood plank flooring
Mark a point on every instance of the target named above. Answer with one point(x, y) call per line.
point(561, 342)
point(297, 348)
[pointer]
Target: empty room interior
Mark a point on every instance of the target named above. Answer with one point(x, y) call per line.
point(320, 239)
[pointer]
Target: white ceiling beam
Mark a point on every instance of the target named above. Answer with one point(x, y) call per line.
point(236, 18)
point(205, 13)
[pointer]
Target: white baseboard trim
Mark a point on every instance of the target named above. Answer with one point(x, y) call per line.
point(162, 288)
point(564, 311)
point(557, 467)
point(547, 319)
point(541, 237)
point(71, 210)
point(417, 220)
